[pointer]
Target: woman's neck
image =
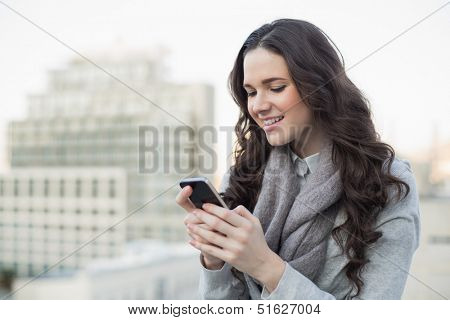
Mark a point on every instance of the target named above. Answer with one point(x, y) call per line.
point(309, 145)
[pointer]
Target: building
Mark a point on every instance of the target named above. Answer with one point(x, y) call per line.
point(148, 270)
point(132, 129)
point(431, 263)
point(48, 213)
point(88, 118)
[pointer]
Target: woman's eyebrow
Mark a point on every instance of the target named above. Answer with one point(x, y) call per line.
point(265, 81)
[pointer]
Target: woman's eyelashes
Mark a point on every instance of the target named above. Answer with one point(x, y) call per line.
point(278, 89)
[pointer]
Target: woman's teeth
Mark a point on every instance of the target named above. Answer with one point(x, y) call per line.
point(272, 121)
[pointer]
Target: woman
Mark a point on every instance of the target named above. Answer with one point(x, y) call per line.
point(322, 209)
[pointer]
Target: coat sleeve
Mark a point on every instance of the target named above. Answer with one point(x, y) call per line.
point(221, 284)
point(390, 257)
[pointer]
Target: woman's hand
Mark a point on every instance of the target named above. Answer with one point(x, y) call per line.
point(183, 200)
point(242, 244)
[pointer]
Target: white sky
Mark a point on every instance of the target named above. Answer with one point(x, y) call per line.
point(406, 82)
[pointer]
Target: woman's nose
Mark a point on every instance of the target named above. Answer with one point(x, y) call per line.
point(260, 104)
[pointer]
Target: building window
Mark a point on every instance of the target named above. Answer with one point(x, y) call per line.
point(160, 288)
point(61, 187)
point(16, 187)
point(78, 188)
point(440, 239)
point(95, 188)
point(30, 270)
point(112, 188)
point(1, 187)
point(15, 267)
point(30, 187)
point(46, 188)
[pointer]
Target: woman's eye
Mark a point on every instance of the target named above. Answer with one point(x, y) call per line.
point(279, 89)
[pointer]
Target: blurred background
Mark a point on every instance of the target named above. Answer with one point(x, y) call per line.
point(81, 217)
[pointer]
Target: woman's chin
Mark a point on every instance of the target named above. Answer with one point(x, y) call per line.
point(275, 140)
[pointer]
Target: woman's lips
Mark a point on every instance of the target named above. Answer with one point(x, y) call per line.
point(272, 126)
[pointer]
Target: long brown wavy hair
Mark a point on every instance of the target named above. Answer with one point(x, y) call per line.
point(341, 111)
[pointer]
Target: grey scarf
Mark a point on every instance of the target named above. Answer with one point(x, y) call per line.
point(297, 223)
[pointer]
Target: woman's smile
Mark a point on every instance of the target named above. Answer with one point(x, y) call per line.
point(271, 124)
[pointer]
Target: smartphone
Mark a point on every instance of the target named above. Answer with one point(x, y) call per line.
point(202, 192)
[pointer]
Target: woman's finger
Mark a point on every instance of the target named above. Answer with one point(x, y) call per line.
point(183, 200)
point(198, 238)
point(215, 238)
point(191, 219)
point(233, 217)
point(193, 236)
point(205, 226)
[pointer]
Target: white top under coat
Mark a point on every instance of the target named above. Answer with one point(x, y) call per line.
point(304, 166)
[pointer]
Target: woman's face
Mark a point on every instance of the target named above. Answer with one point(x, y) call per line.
point(272, 94)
